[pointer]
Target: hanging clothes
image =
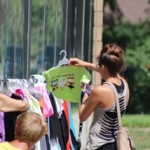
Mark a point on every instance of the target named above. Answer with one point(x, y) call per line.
point(47, 106)
point(10, 121)
point(39, 85)
point(72, 128)
point(58, 127)
point(58, 118)
point(2, 128)
point(68, 114)
point(65, 81)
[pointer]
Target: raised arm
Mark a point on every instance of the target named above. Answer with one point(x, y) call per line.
point(81, 63)
point(8, 104)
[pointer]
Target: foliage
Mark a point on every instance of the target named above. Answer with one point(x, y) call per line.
point(47, 21)
point(135, 40)
point(12, 21)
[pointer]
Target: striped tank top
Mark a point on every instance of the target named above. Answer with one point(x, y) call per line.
point(104, 127)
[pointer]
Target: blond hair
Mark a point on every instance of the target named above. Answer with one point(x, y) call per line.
point(30, 127)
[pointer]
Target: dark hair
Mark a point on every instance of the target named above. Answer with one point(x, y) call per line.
point(111, 56)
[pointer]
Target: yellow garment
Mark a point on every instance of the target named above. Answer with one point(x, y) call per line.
point(7, 146)
point(65, 81)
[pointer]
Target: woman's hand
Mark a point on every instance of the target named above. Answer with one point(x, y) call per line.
point(77, 62)
point(81, 63)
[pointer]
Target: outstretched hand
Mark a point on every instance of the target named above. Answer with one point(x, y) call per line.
point(76, 62)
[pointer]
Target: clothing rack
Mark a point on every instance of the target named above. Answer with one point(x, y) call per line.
point(46, 141)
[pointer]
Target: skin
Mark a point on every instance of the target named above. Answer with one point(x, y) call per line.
point(101, 96)
point(8, 104)
point(21, 145)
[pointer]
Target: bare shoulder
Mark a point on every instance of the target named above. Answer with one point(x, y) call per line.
point(103, 95)
point(101, 89)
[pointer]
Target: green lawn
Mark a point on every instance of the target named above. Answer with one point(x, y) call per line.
point(139, 128)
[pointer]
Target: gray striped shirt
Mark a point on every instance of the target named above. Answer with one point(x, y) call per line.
point(104, 126)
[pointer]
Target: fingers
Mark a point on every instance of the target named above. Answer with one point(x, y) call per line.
point(73, 61)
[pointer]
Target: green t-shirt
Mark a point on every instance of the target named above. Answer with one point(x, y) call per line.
point(65, 81)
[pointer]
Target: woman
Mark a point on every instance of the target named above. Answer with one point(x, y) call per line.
point(102, 100)
point(8, 104)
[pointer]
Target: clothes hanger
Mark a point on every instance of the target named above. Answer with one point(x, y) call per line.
point(37, 79)
point(3, 85)
point(11, 85)
point(34, 81)
point(64, 61)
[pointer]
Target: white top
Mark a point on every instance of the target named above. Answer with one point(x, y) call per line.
point(104, 127)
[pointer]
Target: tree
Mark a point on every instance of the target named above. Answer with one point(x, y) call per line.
point(135, 39)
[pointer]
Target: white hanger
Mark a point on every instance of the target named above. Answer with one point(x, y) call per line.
point(37, 79)
point(64, 61)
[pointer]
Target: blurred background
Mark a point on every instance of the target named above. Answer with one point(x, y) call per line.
point(32, 34)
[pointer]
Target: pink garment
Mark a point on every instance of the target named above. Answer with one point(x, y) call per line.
point(20, 93)
point(2, 128)
point(48, 109)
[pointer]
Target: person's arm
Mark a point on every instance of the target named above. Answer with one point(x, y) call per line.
point(8, 104)
point(81, 63)
point(88, 105)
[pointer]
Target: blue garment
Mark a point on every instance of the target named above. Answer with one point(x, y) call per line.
point(72, 128)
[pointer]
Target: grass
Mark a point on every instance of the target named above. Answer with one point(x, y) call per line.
point(139, 128)
point(142, 121)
